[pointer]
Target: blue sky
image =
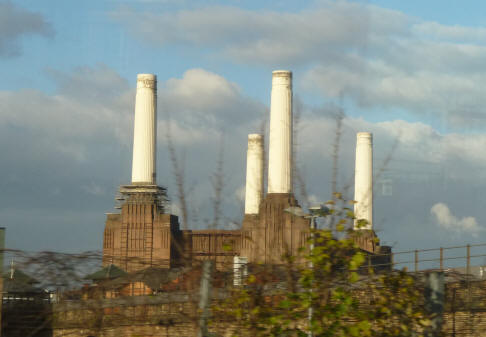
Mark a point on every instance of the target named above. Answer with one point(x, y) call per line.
point(412, 72)
point(85, 33)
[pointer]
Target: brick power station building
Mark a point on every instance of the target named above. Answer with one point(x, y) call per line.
point(144, 235)
point(145, 252)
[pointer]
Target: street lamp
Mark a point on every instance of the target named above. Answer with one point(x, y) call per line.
point(318, 211)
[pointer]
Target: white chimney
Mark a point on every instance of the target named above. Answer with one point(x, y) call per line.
point(254, 174)
point(145, 130)
point(280, 143)
point(363, 180)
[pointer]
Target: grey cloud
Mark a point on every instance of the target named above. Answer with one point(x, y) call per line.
point(457, 33)
point(64, 154)
point(16, 22)
point(204, 98)
point(414, 166)
point(70, 194)
point(374, 56)
point(456, 100)
point(96, 84)
point(61, 152)
point(80, 109)
point(266, 37)
point(205, 112)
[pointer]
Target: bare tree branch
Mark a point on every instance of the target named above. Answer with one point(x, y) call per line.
point(178, 171)
point(217, 182)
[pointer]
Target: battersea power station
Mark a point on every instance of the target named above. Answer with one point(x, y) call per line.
point(144, 235)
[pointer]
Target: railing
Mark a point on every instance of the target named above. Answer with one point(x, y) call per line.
point(442, 258)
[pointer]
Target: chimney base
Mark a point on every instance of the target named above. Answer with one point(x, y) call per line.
point(272, 234)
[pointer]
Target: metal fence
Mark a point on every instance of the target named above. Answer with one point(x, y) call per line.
point(468, 259)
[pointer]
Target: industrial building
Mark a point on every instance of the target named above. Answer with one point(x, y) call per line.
point(151, 279)
point(144, 235)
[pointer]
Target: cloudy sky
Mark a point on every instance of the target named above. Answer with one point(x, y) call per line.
point(414, 74)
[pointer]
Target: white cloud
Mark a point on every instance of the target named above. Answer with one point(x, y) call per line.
point(457, 99)
point(204, 99)
point(204, 85)
point(446, 220)
point(183, 135)
point(455, 33)
point(266, 36)
point(16, 22)
point(376, 57)
point(92, 105)
point(82, 133)
point(415, 140)
point(78, 135)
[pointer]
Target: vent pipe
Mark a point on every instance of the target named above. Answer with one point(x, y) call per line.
point(363, 180)
point(280, 143)
point(254, 174)
point(145, 131)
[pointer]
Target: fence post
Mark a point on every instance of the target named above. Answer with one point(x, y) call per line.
point(434, 301)
point(468, 263)
point(2, 250)
point(441, 259)
point(416, 260)
point(392, 260)
point(204, 299)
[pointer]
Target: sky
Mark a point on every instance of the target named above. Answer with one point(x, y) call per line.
point(410, 72)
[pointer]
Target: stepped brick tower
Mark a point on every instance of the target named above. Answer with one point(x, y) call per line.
point(271, 233)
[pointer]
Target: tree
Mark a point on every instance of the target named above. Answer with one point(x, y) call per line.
point(327, 291)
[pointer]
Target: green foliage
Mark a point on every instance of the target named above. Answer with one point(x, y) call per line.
point(345, 297)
